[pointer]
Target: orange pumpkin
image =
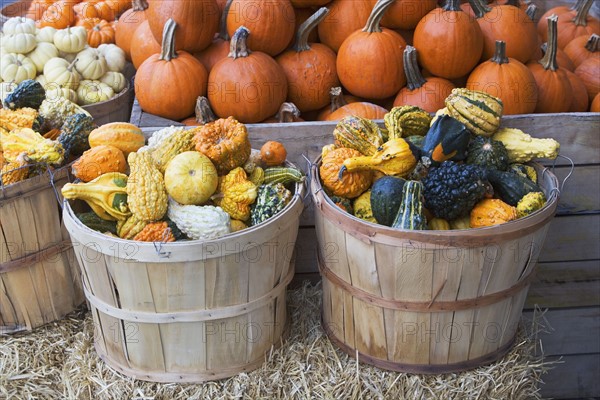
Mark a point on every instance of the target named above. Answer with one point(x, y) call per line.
point(170, 78)
point(580, 101)
point(197, 21)
point(595, 107)
point(98, 9)
point(37, 8)
point(358, 73)
point(273, 153)
point(573, 23)
point(508, 79)
point(554, 87)
point(119, 6)
point(360, 108)
point(426, 93)
point(310, 69)
point(219, 48)
point(271, 23)
point(406, 14)
point(58, 15)
point(99, 31)
point(449, 41)
point(344, 18)
point(129, 21)
point(589, 72)
point(301, 15)
point(249, 86)
point(143, 45)
point(583, 47)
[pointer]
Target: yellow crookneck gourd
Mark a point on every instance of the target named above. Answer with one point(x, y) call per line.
point(106, 195)
point(394, 157)
point(32, 146)
point(235, 194)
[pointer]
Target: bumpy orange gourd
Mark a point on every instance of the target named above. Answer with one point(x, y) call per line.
point(155, 232)
point(489, 212)
point(351, 184)
point(146, 193)
point(122, 135)
point(225, 142)
point(97, 161)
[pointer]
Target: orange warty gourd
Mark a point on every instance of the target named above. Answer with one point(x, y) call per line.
point(426, 93)
point(271, 23)
point(310, 69)
point(249, 86)
point(554, 88)
point(99, 160)
point(450, 42)
point(168, 84)
point(99, 31)
point(143, 45)
point(197, 21)
point(406, 14)
point(580, 101)
point(219, 48)
point(589, 72)
point(351, 184)
point(362, 109)
point(344, 18)
point(583, 47)
point(358, 73)
point(574, 23)
point(510, 24)
point(128, 23)
point(508, 79)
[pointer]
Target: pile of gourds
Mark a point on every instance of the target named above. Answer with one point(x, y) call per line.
point(68, 62)
point(266, 53)
point(37, 132)
point(198, 183)
point(456, 170)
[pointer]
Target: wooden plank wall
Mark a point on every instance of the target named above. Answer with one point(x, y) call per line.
point(568, 281)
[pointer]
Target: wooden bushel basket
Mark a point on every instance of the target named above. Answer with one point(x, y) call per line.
point(39, 275)
point(189, 311)
point(426, 301)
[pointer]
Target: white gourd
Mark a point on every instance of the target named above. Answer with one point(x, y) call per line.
point(92, 91)
point(71, 40)
point(20, 43)
point(115, 80)
point(59, 71)
point(199, 222)
point(16, 68)
point(45, 34)
point(19, 25)
point(42, 54)
point(91, 64)
point(114, 55)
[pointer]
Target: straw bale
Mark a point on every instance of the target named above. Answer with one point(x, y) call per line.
point(59, 361)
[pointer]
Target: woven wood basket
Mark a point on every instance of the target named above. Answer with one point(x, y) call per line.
point(426, 301)
point(39, 275)
point(189, 311)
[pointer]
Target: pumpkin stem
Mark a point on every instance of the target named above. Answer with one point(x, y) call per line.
point(582, 13)
point(479, 8)
point(414, 78)
point(204, 114)
point(167, 49)
point(287, 113)
point(301, 43)
point(500, 54)
point(238, 47)
point(373, 23)
point(139, 5)
point(453, 5)
point(223, 34)
point(531, 11)
point(593, 43)
point(549, 60)
point(337, 98)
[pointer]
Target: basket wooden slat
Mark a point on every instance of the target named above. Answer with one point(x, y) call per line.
point(426, 301)
point(188, 311)
point(39, 275)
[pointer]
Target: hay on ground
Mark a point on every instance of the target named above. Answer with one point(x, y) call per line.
point(59, 361)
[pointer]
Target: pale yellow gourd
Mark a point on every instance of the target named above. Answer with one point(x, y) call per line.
point(18, 25)
point(19, 43)
point(114, 55)
point(115, 80)
point(45, 34)
point(71, 39)
point(61, 72)
point(90, 63)
point(16, 68)
point(42, 53)
point(91, 92)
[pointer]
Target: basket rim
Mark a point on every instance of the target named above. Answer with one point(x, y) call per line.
point(472, 237)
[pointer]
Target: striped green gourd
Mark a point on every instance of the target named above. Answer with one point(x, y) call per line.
point(478, 111)
point(410, 214)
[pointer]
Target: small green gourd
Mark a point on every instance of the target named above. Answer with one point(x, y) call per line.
point(410, 214)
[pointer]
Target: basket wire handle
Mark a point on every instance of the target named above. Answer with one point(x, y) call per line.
point(308, 177)
point(158, 246)
point(560, 189)
point(52, 183)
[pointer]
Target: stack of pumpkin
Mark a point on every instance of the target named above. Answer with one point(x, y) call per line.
point(65, 61)
point(258, 60)
point(457, 170)
point(200, 183)
point(38, 133)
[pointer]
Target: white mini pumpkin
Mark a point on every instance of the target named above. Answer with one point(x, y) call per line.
point(61, 72)
point(71, 40)
point(90, 63)
point(16, 68)
point(92, 91)
point(114, 55)
point(42, 53)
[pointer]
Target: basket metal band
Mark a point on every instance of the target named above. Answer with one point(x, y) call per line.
point(38, 256)
point(425, 306)
point(187, 316)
